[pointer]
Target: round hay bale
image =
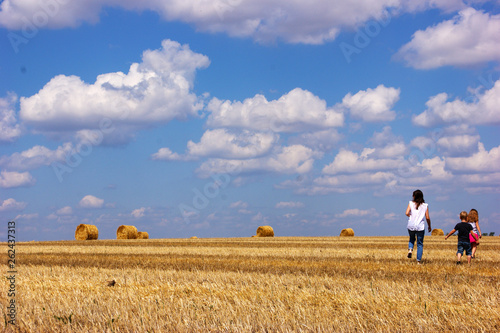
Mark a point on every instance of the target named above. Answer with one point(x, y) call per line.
point(86, 232)
point(126, 232)
point(194, 237)
point(437, 232)
point(142, 235)
point(347, 232)
point(265, 231)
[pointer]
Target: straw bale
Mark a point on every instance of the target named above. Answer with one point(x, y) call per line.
point(86, 232)
point(142, 235)
point(347, 232)
point(126, 232)
point(265, 231)
point(437, 232)
point(194, 237)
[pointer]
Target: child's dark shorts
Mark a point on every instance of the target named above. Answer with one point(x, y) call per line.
point(464, 246)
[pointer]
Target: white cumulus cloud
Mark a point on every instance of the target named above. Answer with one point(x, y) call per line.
point(9, 126)
point(308, 22)
point(10, 179)
point(372, 105)
point(358, 212)
point(297, 111)
point(35, 157)
point(469, 38)
point(287, 160)
point(347, 161)
point(153, 92)
point(483, 111)
point(138, 213)
point(222, 143)
point(167, 155)
point(11, 205)
point(481, 161)
point(67, 210)
point(456, 145)
point(90, 201)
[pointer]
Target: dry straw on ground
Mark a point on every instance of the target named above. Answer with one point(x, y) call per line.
point(265, 231)
point(347, 232)
point(86, 232)
point(142, 235)
point(278, 284)
point(437, 232)
point(126, 232)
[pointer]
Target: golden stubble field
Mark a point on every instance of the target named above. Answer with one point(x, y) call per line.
point(282, 284)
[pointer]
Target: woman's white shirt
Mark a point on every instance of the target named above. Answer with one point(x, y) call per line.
point(416, 221)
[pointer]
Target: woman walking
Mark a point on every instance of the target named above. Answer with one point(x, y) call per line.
point(418, 213)
point(473, 220)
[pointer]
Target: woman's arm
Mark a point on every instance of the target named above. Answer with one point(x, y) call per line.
point(479, 230)
point(408, 211)
point(428, 219)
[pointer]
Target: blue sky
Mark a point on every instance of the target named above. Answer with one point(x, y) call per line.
point(189, 118)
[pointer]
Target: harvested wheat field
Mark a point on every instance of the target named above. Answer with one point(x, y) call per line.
point(280, 284)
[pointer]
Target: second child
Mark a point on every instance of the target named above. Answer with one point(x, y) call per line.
point(464, 230)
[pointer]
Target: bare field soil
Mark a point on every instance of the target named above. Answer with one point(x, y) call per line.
point(282, 284)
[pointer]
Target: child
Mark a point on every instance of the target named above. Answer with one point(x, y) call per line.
point(473, 220)
point(464, 229)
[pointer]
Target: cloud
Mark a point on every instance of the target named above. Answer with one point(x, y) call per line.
point(325, 140)
point(138, 213)
point(35, 157)
point(11, 205)
point(347, 161)
point(372, 105)
point(297, 111)
point(348, 183)
point(472, 37)
point(9, 127)
point(166, 154)
point(289, 204)
point(287, 160)
point(26, 217)
point(312, 22)
point(153, 92)
point(458, 145)
point(436, 168)
point(10, 179)
point(221, 143)
point(65, 211)
point(239, 204)
point(481, 161)
point(391, 216)
point(357, 213)
point(89, 201)
point(483, 111)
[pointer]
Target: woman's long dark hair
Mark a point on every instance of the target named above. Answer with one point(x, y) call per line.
point(418, 198)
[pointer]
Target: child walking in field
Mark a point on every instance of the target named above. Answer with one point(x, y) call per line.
point(473, 220)
point(464, 230)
